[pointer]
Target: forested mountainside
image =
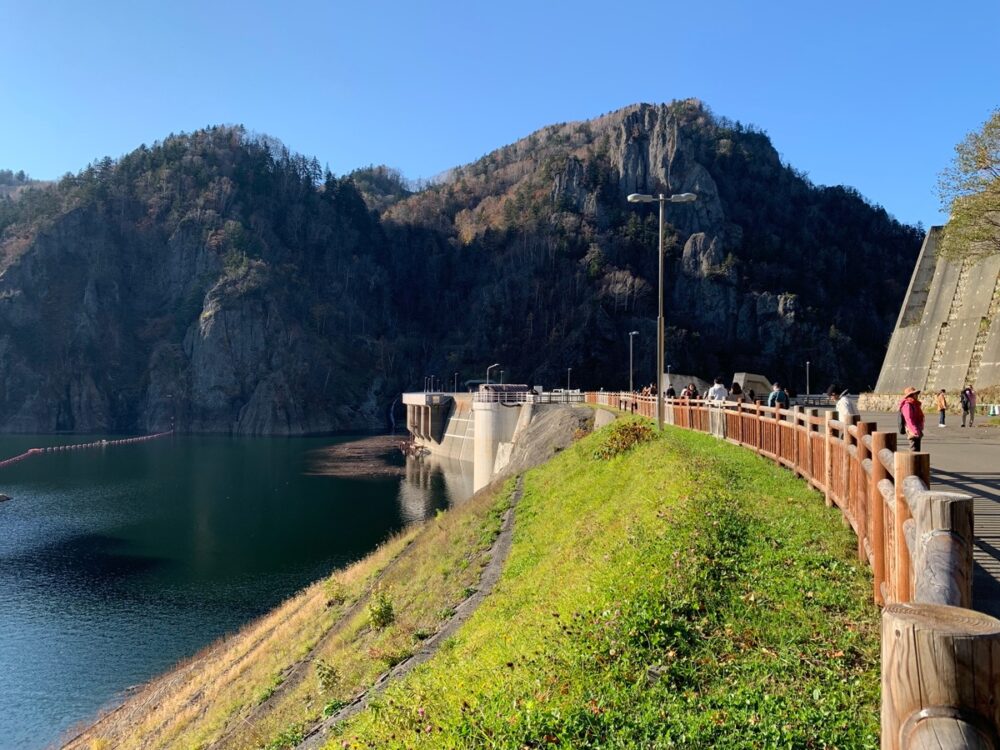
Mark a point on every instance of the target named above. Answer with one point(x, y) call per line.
point(218, 279)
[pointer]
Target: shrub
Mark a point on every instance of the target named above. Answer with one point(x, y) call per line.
point(328, 676)
point(622, 437)
point(380, 612)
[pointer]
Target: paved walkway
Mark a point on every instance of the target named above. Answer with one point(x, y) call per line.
point(966, 460)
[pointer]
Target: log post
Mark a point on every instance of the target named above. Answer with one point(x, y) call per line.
point(940, 677)
point(905, 465)
point(760, 427)
point(942, 560)
point(876, 507)
point(796, 442)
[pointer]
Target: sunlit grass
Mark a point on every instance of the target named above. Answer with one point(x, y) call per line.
point(682, 594)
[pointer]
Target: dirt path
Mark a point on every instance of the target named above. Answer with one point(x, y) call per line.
point(317, 736)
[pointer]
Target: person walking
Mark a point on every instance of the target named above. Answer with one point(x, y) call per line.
point(912, 417)
point(941, 404)
point(736, 393)
point(846, 410)
point(718, 391)
point(777, 396)
point(968, 401)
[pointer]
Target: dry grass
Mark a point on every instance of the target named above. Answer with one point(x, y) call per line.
point(262, 683)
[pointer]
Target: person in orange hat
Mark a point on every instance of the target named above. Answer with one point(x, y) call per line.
point(912, 417)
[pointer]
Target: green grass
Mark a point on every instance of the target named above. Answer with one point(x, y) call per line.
point(682, 593)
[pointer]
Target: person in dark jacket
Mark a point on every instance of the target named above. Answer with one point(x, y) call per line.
point(913, 417)
point(778, 396)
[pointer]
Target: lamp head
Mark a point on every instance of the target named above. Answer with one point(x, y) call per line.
point(633, 333)
point(640, 198)
point(684, 198)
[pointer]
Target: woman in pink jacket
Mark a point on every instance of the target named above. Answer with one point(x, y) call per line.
point(913, 417)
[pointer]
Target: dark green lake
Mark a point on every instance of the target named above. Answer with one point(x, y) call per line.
point(117, 562)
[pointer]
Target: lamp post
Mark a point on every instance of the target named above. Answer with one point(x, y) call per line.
point(631, 334)
point(456, 383)
point(808, 390)
point(663, 200)
point(488, 372)
point(568, 371)
point(501, 377)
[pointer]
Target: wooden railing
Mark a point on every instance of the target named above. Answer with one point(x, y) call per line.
point(940, 659)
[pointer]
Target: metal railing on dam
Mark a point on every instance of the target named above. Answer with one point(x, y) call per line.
point(940, 659)
point(528, 397)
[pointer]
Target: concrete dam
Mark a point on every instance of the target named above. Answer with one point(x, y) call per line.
point(948, 331)
point(485, 427)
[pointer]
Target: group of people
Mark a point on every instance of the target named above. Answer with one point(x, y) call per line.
point(717, 392)
point(911, 413)
point(966, 398)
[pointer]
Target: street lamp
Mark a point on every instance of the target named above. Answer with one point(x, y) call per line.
point(501, 377)
point(662, 199)
point(808, 390)
point(631, 389)
point(568, 371)
point(456, 383)
point(488, 372)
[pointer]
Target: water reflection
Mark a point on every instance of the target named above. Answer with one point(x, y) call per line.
point(116, 563)
point(433, 482)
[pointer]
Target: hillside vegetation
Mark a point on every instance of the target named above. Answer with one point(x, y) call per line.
point(217, 281)
point(670, 591)
point(683, 594)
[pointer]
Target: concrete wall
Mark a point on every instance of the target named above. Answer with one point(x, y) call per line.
point(456, 437)
point(948, 330)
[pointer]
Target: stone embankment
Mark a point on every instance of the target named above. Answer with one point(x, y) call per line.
point(988, 402)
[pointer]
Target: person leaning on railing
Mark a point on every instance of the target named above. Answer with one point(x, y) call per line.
point(912, 415)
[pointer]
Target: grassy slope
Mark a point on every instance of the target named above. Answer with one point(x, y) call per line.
point(259, 687)
point(685, 593)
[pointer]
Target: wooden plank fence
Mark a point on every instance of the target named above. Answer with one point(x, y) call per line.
point(940, 659)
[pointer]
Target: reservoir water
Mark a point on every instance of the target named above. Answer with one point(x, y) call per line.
point(117, 562)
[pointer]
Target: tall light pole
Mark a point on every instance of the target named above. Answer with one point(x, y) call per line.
point(568, 371)
point(488, 372)
point(631, 334)
point(663, 200)
point(456, 383)
point(808, 390)
point(501, 377)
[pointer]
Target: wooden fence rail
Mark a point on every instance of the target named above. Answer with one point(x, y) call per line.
point(940, 659)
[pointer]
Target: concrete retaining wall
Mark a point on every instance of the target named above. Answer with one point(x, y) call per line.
point(948, 331)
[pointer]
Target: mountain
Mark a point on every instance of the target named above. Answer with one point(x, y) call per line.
point(217, 280)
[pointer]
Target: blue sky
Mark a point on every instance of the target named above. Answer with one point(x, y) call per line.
point(868, 94)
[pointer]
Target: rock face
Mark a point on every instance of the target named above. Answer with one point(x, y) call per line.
point(216, 282)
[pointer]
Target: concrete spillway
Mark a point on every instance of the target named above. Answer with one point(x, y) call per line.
point(483, 429)
point(948, 331)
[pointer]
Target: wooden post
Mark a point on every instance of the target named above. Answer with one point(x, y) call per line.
point(940, 677)
point(859, 491)
point(905, 464)
point(828, 417)
point(812, 414)
point(796, 443)
point(876, 507)
point(760, 427)
point(942, 561)
point(777, 434)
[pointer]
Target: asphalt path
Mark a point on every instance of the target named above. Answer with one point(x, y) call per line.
point(966, 460)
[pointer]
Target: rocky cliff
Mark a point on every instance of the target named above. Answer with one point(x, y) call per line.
point(217, 281)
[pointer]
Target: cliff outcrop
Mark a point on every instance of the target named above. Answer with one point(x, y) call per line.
point(220, 283)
